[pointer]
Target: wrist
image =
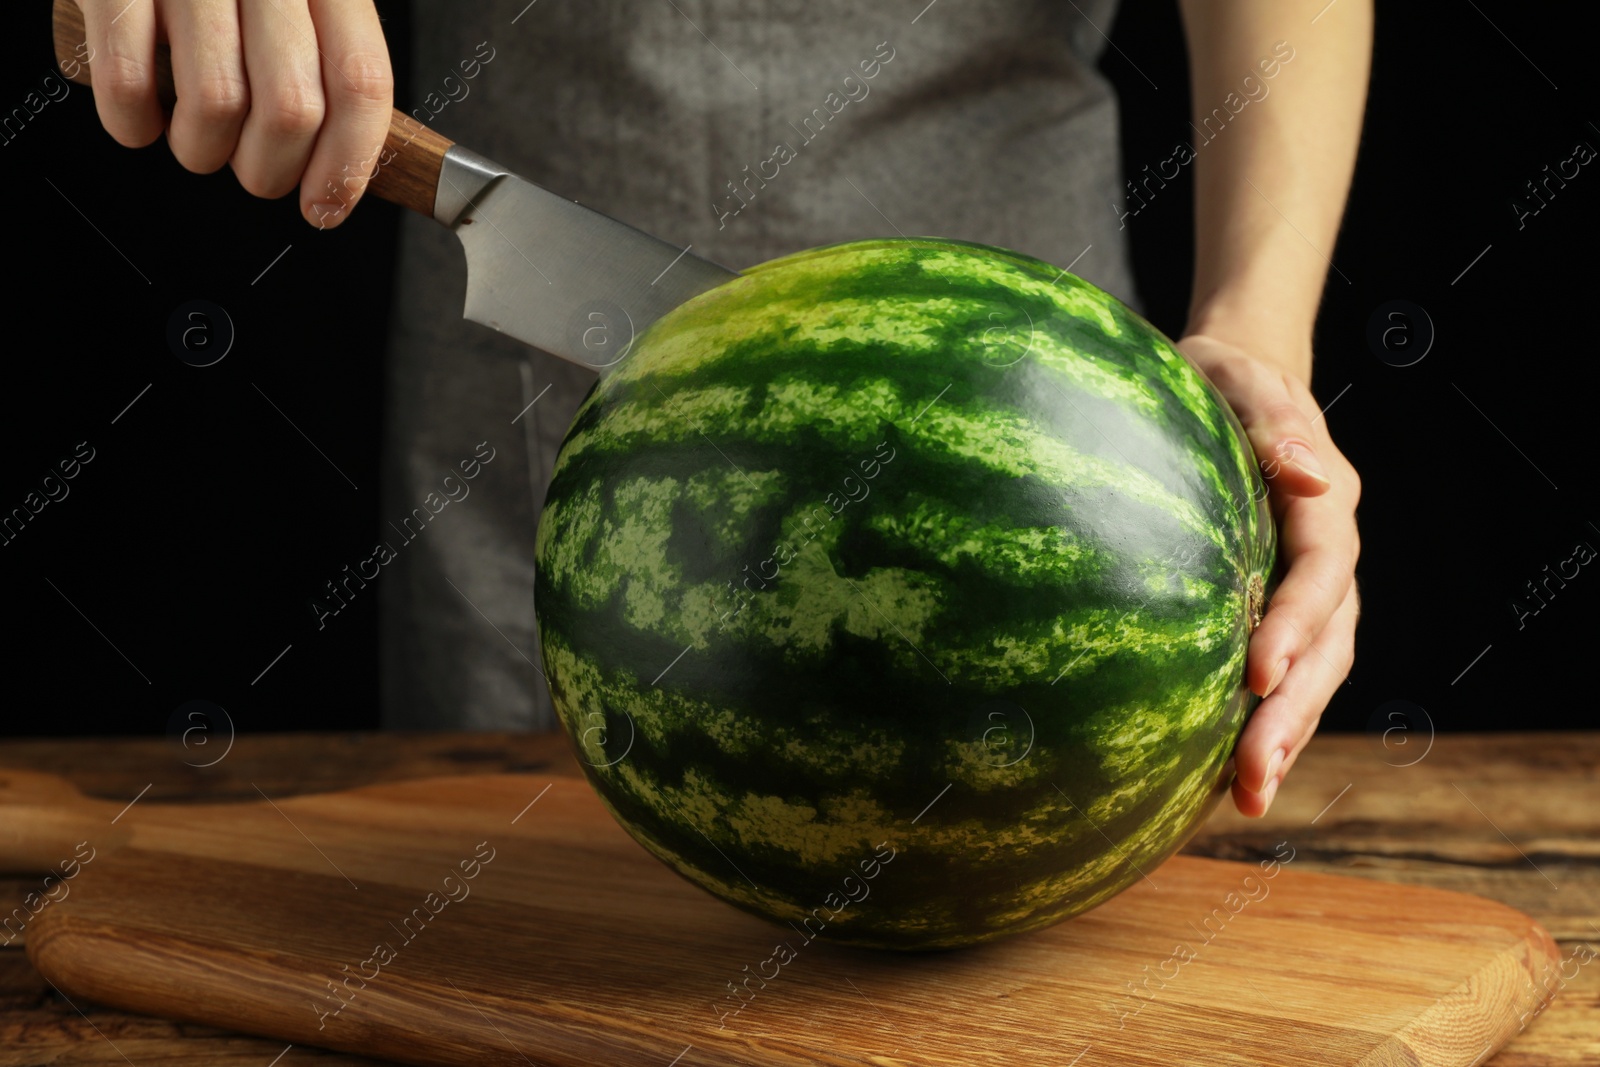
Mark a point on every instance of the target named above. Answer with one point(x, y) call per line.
point(1268, 336)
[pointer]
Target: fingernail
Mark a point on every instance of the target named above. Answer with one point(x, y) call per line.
point(1277, 676)
point(1272, 772)
point(1306, 460)
point(1267, 794)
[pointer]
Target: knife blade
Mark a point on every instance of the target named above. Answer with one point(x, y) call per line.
point(555, 274)
point(543, 269)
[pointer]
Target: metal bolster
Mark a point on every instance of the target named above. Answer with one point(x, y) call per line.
point(463, 178)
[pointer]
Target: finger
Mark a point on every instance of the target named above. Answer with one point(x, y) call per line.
point(1333, 671)
point(121, 35)
point(1273, 407)
point(208, 72)
point(1285, 722)
point(1319, 550)
point(359, 87)
point(286, 98)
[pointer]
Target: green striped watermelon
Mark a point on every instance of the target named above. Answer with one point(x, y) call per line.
point(899, 591)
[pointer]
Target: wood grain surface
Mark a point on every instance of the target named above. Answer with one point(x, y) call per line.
point(1540, 790)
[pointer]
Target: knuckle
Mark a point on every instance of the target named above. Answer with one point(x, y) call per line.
point(1287, 417)
point(293, 111)
point(1301, 624)
point(1330, 583)
point(122, 80)
point(1296, 388)
point(1231, 372)
point(1222, 373)
point(1294, 626)
point(1317, 567)
point(221, 98)
point(365, 78)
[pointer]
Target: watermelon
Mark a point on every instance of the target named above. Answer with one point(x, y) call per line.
point(899, 591)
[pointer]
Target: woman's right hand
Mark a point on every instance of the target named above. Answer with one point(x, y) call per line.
point(287, 92)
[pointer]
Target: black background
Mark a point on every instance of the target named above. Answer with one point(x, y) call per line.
point(180, 565)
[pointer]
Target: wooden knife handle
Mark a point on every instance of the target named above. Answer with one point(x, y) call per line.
point(406, 171)
point(43, 820)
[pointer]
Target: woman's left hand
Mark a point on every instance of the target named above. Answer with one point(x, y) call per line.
point(1302, 651)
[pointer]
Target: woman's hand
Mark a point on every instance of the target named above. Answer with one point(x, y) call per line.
point(288, 92)
point(1303, 649)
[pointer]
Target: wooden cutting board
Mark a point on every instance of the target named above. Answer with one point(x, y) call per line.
point(569, 944)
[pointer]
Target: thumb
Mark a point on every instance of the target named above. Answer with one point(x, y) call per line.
point(1272, 406)
point(1281, 437)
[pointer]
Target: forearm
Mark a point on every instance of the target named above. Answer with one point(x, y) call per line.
point(1273, 163)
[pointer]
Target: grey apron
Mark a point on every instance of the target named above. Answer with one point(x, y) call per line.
point(747, 130)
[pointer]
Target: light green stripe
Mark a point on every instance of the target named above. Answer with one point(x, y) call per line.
point(1024, 555)
point(1002, 441)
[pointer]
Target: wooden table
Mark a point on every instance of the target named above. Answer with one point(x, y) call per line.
point(1514, 817)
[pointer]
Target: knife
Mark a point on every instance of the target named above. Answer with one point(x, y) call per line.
point(540, 268)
